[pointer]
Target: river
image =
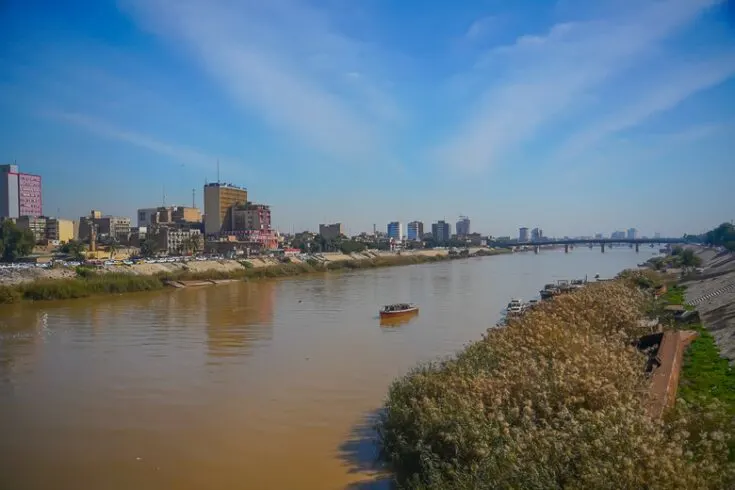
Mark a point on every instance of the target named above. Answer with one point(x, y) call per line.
point(262, 385)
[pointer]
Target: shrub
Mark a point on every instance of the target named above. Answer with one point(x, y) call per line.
point(9, 294)
point(555, 400)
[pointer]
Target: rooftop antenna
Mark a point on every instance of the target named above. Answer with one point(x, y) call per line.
point(218, 170)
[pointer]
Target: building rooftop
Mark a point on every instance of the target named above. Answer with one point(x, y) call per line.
point(228, 185)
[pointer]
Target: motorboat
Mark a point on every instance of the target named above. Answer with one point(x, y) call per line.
point(398, 310)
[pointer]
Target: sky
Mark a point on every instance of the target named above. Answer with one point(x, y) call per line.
point(575, 116)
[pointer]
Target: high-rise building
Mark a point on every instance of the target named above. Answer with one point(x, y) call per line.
point(463, 226)
point(330, 232)
point(537, 234)
point(657, 235)
point(20, 194)
point(218, 202)
point(632, 233)
point(523, 234)
point(617, 235)
point(441, 231)
point(415, 230)
point(395, 230)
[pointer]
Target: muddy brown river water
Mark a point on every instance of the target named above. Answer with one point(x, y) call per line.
point(260, 385)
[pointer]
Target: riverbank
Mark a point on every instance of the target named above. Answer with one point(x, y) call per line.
point(558, 396)
point(147, 277)
point(713, 294)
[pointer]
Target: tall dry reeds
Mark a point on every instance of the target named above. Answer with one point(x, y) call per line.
point(555, 400)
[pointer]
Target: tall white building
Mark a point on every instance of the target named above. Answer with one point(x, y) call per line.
point(395, 230)
point(463, 226)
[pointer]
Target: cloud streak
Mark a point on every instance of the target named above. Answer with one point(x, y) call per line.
point(182, 154)
point(285, 63)
point(543, 78)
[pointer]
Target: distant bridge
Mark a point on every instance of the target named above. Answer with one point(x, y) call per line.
point(590, 241)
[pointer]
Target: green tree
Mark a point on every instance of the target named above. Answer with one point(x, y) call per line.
point(14, 242)
point(351, 246)
point(192, 244)
point(113, 247)
point(74, 249)
point(148, 248)
point(690, 259)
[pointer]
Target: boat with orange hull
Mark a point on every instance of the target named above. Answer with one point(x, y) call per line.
point(398, 310)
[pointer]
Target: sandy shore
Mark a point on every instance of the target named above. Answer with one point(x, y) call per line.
point(17, 276)
point(713, 293)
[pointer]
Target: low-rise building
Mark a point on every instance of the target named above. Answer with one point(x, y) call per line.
point(36, 225)
point(168, 215)
point(60, 230)
point(179, 241)
point(251, 217)
point(111, 227)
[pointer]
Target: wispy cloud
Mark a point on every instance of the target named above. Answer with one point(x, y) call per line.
point(542, 77)
point(285, 63)
point(663, 94)
point(181, 154)
point(482, 26)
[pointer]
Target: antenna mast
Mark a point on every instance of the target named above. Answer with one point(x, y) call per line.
point(218, 171)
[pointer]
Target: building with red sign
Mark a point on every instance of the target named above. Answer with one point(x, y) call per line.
point(20, 194)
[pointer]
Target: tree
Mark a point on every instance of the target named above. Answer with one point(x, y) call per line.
point(148, 248)
point(74, 249)
point(351, 246)
point(14, 242)
point(113, 247)
point(191, 244)
point(690, 259)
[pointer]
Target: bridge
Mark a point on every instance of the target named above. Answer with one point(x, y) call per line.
point(591, 241)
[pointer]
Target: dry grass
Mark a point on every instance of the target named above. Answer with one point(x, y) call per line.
point(555, 400)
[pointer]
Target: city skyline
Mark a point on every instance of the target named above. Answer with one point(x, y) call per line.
point(543, 114)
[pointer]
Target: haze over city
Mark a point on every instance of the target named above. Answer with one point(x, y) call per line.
point(577, 117)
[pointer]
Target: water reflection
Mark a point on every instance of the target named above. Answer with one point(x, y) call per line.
point(237, 315)
point(398, 321)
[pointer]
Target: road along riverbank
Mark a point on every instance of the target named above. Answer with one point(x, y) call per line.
point(87, 282)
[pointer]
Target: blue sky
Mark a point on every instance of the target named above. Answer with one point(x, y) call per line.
point(575, 116)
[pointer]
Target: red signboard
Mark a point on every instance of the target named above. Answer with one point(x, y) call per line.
point(29, 195)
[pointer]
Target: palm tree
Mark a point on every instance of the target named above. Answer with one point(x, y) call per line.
point(113, 247)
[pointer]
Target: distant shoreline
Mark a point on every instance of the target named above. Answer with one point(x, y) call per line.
point(117, 280)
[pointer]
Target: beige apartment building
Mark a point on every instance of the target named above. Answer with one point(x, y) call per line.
point(36, 224)
point(61, 230)
point(218, 202)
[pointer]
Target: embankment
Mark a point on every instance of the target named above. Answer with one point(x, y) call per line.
point(558, 399)
point(148, 277)
point(713, 294)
